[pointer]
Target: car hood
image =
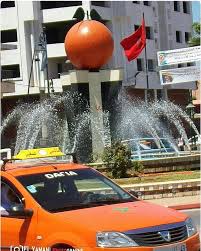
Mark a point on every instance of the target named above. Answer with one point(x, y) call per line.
point(121, 217)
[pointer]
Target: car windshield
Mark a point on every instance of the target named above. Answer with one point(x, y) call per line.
point(73, 189)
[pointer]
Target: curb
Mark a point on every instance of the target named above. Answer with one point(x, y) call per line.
point(170, 189)
point(185, 207)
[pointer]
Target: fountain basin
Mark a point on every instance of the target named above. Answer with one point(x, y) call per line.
point(150, 148)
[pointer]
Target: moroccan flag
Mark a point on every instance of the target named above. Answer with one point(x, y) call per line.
point(135, 43)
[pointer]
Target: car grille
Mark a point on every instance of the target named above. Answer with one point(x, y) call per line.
point(177, 233)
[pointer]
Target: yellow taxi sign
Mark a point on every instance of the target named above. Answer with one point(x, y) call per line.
point(39, 153)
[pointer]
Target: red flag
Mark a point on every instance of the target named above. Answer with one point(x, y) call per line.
point(135, 43)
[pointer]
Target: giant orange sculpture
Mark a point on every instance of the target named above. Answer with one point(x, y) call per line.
point(89, 45)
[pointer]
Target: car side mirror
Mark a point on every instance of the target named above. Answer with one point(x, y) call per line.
point(20, 211)
point(135, 193)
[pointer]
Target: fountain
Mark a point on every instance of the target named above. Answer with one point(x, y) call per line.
point(68, 120)
point(154, 121)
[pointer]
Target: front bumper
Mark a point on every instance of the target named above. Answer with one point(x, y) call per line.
point(192, 244)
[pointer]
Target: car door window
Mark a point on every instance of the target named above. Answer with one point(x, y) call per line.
point(9, 198)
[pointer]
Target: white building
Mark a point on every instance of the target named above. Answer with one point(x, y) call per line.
point(168, 24)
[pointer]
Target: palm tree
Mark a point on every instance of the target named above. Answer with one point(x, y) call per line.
point(195, 39)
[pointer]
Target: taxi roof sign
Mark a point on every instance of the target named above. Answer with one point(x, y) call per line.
point(38, 153)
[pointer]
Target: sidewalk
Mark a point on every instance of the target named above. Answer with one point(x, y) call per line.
point(187, 202)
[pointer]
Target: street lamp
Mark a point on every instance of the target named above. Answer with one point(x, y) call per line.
point(190, 109)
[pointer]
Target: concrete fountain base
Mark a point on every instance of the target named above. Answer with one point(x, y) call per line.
point(190, 161)
point(185, 162)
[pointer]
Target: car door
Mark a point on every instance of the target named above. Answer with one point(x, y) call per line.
point(16, 231)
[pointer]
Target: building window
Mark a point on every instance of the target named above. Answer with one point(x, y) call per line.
point(7, 4)
point(181, 65)
point(190, 64)
point(176, 6)
point(147, 3)
point(136, 27)
point(149, 33)
point(8, 36)
point(136, 2)
point(186, 7)
point(99, 3)
point(139, 64)
point(56, 32)
point(58, 4)
point(10, 71)
point(150, 65)
point(187, 36)
point(178, 37)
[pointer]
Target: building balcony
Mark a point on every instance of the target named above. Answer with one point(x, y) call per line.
point(65, 14)
point(10, 57)
point(9, 46)
point(56, 50)
point(17, 88)
point(8, 23)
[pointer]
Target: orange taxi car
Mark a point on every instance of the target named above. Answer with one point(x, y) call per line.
point(54, 205)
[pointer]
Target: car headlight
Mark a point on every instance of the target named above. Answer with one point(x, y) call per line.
point(191, 229)
point(114, 239)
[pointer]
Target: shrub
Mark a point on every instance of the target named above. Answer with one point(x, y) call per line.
point(138, 168)
point(117, 158)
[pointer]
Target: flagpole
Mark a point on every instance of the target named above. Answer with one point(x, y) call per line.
point(146, 62)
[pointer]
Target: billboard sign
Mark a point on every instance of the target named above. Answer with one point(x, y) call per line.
point(179, 75)
point(179, 56)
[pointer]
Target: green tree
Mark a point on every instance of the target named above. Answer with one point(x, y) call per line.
point(195, 39)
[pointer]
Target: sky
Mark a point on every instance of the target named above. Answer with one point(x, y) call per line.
point(196, 11)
